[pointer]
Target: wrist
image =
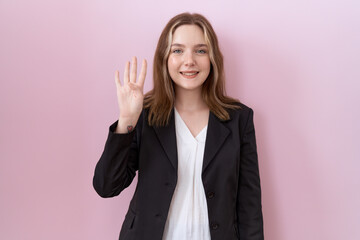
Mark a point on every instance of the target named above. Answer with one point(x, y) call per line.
point(126, 124)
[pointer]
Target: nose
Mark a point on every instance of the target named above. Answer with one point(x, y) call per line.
point(189, 59)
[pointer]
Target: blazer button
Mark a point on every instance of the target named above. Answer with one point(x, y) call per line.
point(214, 226)
point(210, 194)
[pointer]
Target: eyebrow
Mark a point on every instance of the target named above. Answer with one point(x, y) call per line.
point(181, 45)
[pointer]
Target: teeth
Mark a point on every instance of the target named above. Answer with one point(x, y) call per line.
point(189, 74)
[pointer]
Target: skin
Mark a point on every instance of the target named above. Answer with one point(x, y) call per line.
point(187, 57)
point(130, 95)
point(188, 101)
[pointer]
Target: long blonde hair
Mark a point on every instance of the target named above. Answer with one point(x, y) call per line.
point(160, 100)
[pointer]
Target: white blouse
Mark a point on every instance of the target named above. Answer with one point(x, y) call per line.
point(188, 215)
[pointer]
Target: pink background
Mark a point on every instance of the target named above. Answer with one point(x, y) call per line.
point(296, 63)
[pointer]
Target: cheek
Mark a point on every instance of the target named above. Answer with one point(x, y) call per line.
point(206, 64)
point(172, 63)
point(172, 67)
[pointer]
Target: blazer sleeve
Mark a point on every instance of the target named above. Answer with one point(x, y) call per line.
point(249, 208)
point(118, 163)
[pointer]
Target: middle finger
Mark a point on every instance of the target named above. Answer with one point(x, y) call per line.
point(133, 70)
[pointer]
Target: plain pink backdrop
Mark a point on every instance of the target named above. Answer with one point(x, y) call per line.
point(296, 63)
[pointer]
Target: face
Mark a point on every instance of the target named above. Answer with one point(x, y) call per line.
point(189, 62)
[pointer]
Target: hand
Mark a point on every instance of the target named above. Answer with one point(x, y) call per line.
point(130, 94)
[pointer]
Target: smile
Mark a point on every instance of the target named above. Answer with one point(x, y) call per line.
point(189, 74)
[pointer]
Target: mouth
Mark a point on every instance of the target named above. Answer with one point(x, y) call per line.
point(189, 74)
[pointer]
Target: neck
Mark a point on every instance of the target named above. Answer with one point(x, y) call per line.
point(189, 100)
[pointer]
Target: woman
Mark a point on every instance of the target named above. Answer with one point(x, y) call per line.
point(194, 147)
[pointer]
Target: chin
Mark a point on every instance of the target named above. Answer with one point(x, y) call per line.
point(188, 87)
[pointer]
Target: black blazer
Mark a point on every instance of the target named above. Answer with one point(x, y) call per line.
point(230, 176)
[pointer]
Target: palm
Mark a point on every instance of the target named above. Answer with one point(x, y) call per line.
point(130, 94)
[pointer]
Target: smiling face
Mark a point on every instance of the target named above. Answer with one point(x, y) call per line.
point(188, 62)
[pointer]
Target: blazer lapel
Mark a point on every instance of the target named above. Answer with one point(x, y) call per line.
point(167, 139)
point(215, 137)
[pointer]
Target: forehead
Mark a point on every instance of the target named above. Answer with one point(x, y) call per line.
point(188, 35)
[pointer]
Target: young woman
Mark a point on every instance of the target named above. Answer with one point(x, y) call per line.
point(193, 147)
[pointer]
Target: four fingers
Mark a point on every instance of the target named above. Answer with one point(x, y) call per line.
point(130, 76)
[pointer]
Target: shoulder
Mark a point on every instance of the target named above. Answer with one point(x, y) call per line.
point(241, 118)
point(242, 113)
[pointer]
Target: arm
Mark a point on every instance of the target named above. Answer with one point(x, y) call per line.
point(119, 161)
point(249, 209)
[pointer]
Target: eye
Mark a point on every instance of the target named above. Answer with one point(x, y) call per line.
point(202, 51)
point(176, 51)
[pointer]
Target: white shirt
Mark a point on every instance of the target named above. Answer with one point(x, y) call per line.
point(188, 215)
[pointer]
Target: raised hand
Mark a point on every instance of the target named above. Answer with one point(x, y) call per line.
point(130, 95)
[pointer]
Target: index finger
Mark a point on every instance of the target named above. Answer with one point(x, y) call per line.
point(142, 73)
